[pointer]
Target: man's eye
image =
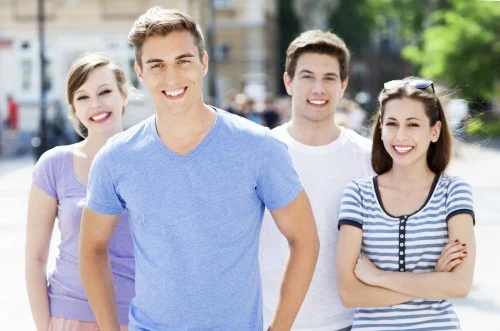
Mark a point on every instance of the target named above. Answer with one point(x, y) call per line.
point(414, 125)
point(307, 77)
point(182, 61)
point(157, 65)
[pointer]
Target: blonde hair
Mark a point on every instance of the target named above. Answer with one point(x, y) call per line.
point(78, 75)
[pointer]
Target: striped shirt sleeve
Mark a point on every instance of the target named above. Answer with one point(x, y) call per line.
point(351, 207)
point(459, 199)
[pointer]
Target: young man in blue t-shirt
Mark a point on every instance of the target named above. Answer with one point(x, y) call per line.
point(196, 181)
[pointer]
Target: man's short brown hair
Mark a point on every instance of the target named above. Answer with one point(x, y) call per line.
point(158, 21)
point(321, 42)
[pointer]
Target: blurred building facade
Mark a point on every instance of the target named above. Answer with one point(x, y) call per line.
point(243, 44)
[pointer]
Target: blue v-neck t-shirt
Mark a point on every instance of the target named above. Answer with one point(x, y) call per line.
point(195, 220)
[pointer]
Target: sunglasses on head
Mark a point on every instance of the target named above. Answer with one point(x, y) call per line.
point(420, 84)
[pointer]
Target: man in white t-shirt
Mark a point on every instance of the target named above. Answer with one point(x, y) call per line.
point(326, 157)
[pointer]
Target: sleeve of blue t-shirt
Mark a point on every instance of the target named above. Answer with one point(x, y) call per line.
point(351, 207)
point(101, 191)
point(46, 172)
point(459, 199)
point(277, 182)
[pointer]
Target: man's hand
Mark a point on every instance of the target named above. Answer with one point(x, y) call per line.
point(452, 255)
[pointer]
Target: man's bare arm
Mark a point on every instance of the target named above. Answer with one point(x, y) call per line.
point(95, 269)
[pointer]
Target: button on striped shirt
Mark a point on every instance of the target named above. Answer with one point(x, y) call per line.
point(407, 243)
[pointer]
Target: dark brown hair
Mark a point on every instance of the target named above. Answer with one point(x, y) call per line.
point(158, 21)
point(438, 154)
point(321, 42)
point(79, 73)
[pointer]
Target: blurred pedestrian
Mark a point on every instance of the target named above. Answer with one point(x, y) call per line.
point(402, 218)
point(13, 113)
point(97, 92)
point(270, 114)
point(356, 115)
point(195, 180)
point(59, 121)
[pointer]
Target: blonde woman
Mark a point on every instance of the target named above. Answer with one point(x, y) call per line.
point(97, 92)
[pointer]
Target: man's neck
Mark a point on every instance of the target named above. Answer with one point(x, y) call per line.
point(183, 132)
point(313, 133)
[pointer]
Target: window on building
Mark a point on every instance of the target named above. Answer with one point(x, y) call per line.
point(222, 4)
point(26, 74)
point(222, 52)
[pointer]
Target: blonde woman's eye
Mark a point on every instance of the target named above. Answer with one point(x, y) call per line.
point(105, 92)
point(83, 97)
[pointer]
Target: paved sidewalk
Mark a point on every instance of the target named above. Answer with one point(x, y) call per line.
point(479, 311)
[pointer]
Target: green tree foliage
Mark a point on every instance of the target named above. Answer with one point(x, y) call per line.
point(461, 47)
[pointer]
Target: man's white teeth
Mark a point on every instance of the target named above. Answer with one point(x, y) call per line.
point(317, 102)
point(174, 93)
point(100, 116)
point(403, 149)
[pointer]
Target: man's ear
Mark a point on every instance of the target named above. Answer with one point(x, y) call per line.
point(138, 71)
point(204, 63)
point(344, 84)
point(288, 83)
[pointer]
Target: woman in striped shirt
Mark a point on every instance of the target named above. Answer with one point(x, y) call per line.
point(405, 218)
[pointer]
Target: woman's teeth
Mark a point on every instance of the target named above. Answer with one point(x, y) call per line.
point(403, 149)
point(100, 116)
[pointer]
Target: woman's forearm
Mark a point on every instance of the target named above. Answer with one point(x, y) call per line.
point(36, 284)
point(355, 293)
point(430, 285)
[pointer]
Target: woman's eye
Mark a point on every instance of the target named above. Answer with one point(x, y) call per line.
point(105, 92)
point(391, 124)
point(82, 97)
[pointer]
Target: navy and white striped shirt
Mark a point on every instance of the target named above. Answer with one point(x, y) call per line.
point(408, 243)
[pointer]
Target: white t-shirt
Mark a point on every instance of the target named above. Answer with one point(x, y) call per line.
point(324, 172)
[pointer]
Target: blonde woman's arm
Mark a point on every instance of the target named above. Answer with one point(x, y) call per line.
point(42, 211)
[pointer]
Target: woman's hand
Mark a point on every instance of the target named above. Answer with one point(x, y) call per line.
point(452, 255)
point(366, 271)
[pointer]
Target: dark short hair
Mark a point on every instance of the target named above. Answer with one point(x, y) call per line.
point(320, 42)
point(438, 154)
point(158, 21)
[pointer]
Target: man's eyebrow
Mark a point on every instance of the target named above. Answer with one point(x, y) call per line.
point(184, 55)
point(153, 61)
point(332, 74)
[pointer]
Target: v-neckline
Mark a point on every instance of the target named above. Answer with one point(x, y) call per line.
point(197, 149)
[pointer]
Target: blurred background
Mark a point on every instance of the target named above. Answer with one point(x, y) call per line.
point(456, 43)
point(453, 42)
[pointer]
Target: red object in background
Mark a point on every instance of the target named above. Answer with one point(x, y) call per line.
point(13, 119)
